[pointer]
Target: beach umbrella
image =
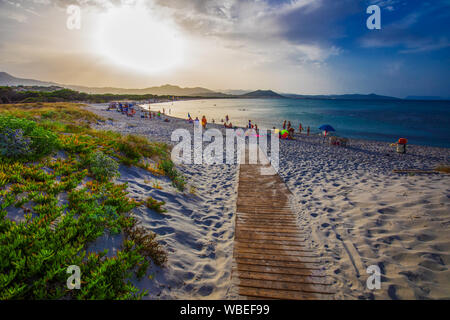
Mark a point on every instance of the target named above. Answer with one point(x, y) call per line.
point(326, 127)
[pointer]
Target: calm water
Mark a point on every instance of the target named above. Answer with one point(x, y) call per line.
point(422, 123)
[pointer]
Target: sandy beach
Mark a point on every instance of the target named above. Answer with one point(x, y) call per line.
point(359, 213)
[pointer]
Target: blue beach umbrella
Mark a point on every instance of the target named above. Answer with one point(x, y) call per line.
point(326, 127)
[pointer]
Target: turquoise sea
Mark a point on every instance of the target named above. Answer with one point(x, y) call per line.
point(421, 122)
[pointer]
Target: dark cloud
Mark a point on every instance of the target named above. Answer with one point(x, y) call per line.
point(319, 24)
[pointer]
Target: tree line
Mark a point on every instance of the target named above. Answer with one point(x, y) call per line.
point(10, 95)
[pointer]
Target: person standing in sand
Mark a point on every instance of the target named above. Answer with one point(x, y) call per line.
point(204, 122)
point(300, 128)
point(307, 131)
point(284, 124)
point(227, 118)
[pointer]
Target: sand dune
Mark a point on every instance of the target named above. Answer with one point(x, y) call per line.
point(198, 228)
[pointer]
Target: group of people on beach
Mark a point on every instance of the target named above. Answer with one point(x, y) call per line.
point(129, 109)
point(124, 108)
point(196, 122)
point(286, 133)
point(291, 129)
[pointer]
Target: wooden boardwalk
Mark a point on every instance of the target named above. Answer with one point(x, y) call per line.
point(271, 258)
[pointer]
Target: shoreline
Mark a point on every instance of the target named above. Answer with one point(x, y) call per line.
point(314, 131)
point(315, 135)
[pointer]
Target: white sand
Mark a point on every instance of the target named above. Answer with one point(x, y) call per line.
point(198, 228)
point(359, 214)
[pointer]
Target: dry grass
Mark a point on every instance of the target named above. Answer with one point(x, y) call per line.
point(64, 112)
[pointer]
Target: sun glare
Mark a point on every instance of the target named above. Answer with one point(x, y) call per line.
point(131, 37)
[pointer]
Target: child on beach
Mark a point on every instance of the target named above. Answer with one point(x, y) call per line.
point(204, 122)
point(291, 133)
point(196, 122)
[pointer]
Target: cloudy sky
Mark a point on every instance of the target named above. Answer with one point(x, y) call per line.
point(296, 46)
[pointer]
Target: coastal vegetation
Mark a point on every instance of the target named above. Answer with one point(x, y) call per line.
point(155, 205)
point(11, 95)
point(58, 196)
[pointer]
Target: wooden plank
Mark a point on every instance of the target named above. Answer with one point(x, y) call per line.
point(267, 211)
point(257, 236)
point(268, 241)
point(240, 244)
point(281, 294)
point(282, 218)
point(288, 286)
point(280, 270)
point(284, 264)
point(275, 252)
point(268, 229)
point(274, 257)
point(304, 279)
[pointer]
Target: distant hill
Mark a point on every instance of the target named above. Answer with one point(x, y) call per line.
point(371, 96)
point(165, 90)
point(8, 80)
point(235, 92)
point(426, 98)
point(260, 94)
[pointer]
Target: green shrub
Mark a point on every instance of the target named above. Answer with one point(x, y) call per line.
point(13, 144)
point(103, 167)
point(35, 141)
point(130, 151)
point(155, 205)
point(169, 169)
